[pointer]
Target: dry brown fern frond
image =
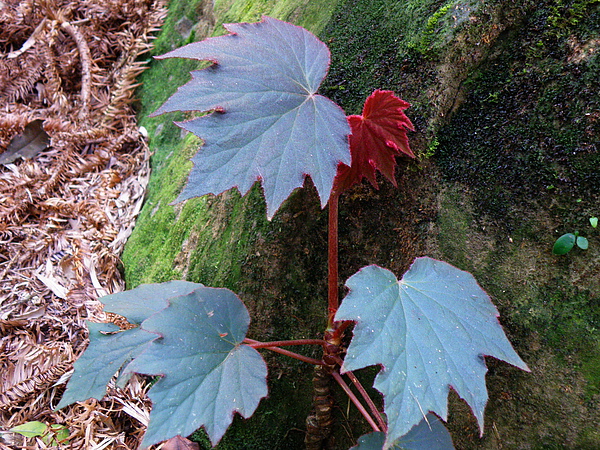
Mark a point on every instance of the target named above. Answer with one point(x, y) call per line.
point(28, 387)
point(66, 214)
point(18, 78)
point(10, 126)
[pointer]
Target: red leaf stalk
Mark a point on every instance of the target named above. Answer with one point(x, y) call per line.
point(333, 296)
point(337, 377)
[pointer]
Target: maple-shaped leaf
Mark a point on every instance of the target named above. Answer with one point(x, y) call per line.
point(429, 332)
point(207, 374)
point(266, 120)
point(110, 348)
point(190, 335)
point(378, 136)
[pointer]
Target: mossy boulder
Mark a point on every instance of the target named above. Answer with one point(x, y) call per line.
point(506, 105)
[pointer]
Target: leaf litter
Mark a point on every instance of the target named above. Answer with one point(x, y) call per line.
point(67, 205)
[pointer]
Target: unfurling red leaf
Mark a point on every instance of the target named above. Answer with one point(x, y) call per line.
point(266, 120)
point(429, 434)
point(378, 136)
point(428, 331)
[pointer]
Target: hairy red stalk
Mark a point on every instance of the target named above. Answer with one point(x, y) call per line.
point(332, 238)
point(369, 400)
point(337, 377)
point(364, 394)
point(306, 359)
point(256, 344)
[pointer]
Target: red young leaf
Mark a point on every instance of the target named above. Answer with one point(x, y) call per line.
point(378, 136)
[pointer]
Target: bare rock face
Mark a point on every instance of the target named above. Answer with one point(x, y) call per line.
point(505, 99)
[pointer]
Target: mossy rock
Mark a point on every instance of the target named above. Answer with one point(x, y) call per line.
point(506, 105)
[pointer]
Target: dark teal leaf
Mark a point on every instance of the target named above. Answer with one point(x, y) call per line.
point(140, 303)
point(267, 121)
point(207, 374)
point(104, 356)
point(371, 441)
point(429, 434)
point(582, 243)
point(564, 244)
point(111, 348)
point(428, 331)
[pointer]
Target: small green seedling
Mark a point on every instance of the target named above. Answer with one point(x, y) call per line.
point(50, 434)
point(566, 242)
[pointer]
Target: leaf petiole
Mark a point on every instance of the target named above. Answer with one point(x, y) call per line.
point(337, 377)
point(365, 396)
point(332, 238)
point(257, 344)
point(306, 359)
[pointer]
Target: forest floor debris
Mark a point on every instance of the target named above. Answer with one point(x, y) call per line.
point(74, 167)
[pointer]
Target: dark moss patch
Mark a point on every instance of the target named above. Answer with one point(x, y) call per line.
point(528, 128)
point(364, 38)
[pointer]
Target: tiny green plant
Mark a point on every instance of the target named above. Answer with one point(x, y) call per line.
point(53, 435)
point(427, 331)
point(565, 243)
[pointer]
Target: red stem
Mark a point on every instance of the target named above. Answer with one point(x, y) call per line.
point(365, 396)
point(256, 344)
point(369, 400)
point(337, 377)
point(333, 300)
point(306, 359)
point(341, 327)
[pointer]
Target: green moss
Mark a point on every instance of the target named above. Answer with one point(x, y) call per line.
point(149, 253)
point(169, 38)
point(233, 11)
point(218, 262)
point(527, 120)
point(564, 15)
point(441, 27)
point(454, 222)
point(312, 15)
